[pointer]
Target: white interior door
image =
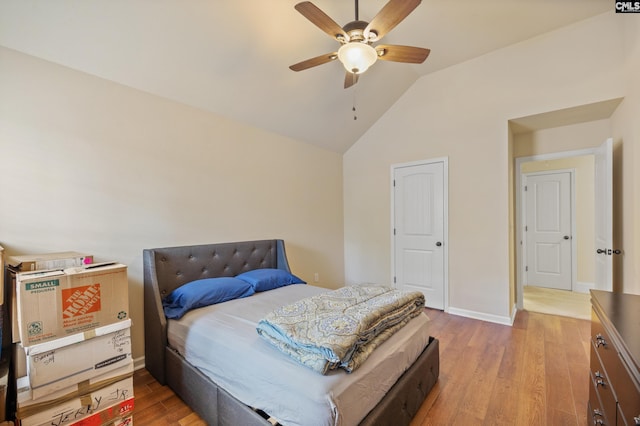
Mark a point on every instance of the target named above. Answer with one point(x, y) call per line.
point(548, 230)
point(419, 230)
point(603, 186)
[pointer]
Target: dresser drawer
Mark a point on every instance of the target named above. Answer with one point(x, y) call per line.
point(595, 412)
point(603, 343)
point(628, 407)
point(626, 390)
point(602, 385)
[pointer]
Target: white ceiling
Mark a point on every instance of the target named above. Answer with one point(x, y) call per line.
point(231, 57)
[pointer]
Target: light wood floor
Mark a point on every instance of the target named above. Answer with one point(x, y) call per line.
point(557, 302)
point(534, 373)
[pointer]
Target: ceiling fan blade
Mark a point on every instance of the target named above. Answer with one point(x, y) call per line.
point(395, 53)
point(321, 19)
point(389, 16)
point(314, 62)
point(350, 79)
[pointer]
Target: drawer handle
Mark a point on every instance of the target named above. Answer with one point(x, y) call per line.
point(600, 341)
point(597, 413)
point(600, 379)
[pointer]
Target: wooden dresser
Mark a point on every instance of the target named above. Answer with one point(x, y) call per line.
point(614, 392)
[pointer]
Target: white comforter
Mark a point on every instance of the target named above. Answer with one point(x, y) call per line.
point(221, 340)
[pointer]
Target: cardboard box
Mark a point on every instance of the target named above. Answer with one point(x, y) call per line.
point(32, 262)
point(54, 304)
point(97, 407)
point(5, 407)
point(41, 262)
point(127, 421)
point(1, 277)
point(5, 327)
point(11, 282)
point(112, 416)
point(19, 360)
point(60, 363)
point(27, 406)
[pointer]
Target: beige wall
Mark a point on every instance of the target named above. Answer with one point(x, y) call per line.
point(462, 112)
point(93, 166)
point(626, 157)
point(590, 134)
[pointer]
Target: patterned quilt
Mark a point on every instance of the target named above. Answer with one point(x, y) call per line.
point(340, 328)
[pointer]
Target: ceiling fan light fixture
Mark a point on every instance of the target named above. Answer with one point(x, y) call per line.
point(357, 57)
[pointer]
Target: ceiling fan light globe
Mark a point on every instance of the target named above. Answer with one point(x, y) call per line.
point(357, 57)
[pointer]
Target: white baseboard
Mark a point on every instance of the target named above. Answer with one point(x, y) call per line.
point(498, 319)
point(138, 363)
point(582, 287)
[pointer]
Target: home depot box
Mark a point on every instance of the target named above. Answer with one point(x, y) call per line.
point(54, 304)
point(60, 363)
point(37, 262)
point(26, 405)
point(98, 407)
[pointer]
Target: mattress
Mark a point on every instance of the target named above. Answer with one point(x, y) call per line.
point(222, 342)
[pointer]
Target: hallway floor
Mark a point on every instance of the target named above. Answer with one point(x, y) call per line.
point(557, 302)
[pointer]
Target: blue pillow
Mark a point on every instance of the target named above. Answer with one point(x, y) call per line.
point(269, 278)
point(205, 292)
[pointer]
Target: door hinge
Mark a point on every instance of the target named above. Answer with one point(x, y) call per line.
point(394, 183)
point(526, 269)
point(394, 231)
point(526, 228)
point(394, 280)
point(525, 188)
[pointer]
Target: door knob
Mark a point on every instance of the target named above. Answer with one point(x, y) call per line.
point(601, 251)
point(438, 244)
point(566, 237)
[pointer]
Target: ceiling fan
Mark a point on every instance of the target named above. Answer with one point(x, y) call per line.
point(357, 52)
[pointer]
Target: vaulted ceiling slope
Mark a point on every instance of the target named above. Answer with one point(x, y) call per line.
point(231, 57)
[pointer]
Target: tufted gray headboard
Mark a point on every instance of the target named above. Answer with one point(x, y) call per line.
point(166, 269)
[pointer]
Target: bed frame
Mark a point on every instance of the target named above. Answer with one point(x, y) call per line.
point(166, 269)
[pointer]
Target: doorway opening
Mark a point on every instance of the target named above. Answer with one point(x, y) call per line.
point(582, 234)
point(543, 139)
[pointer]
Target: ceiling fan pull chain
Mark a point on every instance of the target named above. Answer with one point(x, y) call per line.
point(355, 117)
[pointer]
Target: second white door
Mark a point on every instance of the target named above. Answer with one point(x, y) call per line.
point(548, 230)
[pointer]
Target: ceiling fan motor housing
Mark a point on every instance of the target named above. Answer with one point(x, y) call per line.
point(355, 31)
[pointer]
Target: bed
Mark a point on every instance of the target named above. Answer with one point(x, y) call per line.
point(166, 269)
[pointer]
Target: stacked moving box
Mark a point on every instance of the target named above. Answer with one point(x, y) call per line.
point(72, 353)
point(5, 338)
